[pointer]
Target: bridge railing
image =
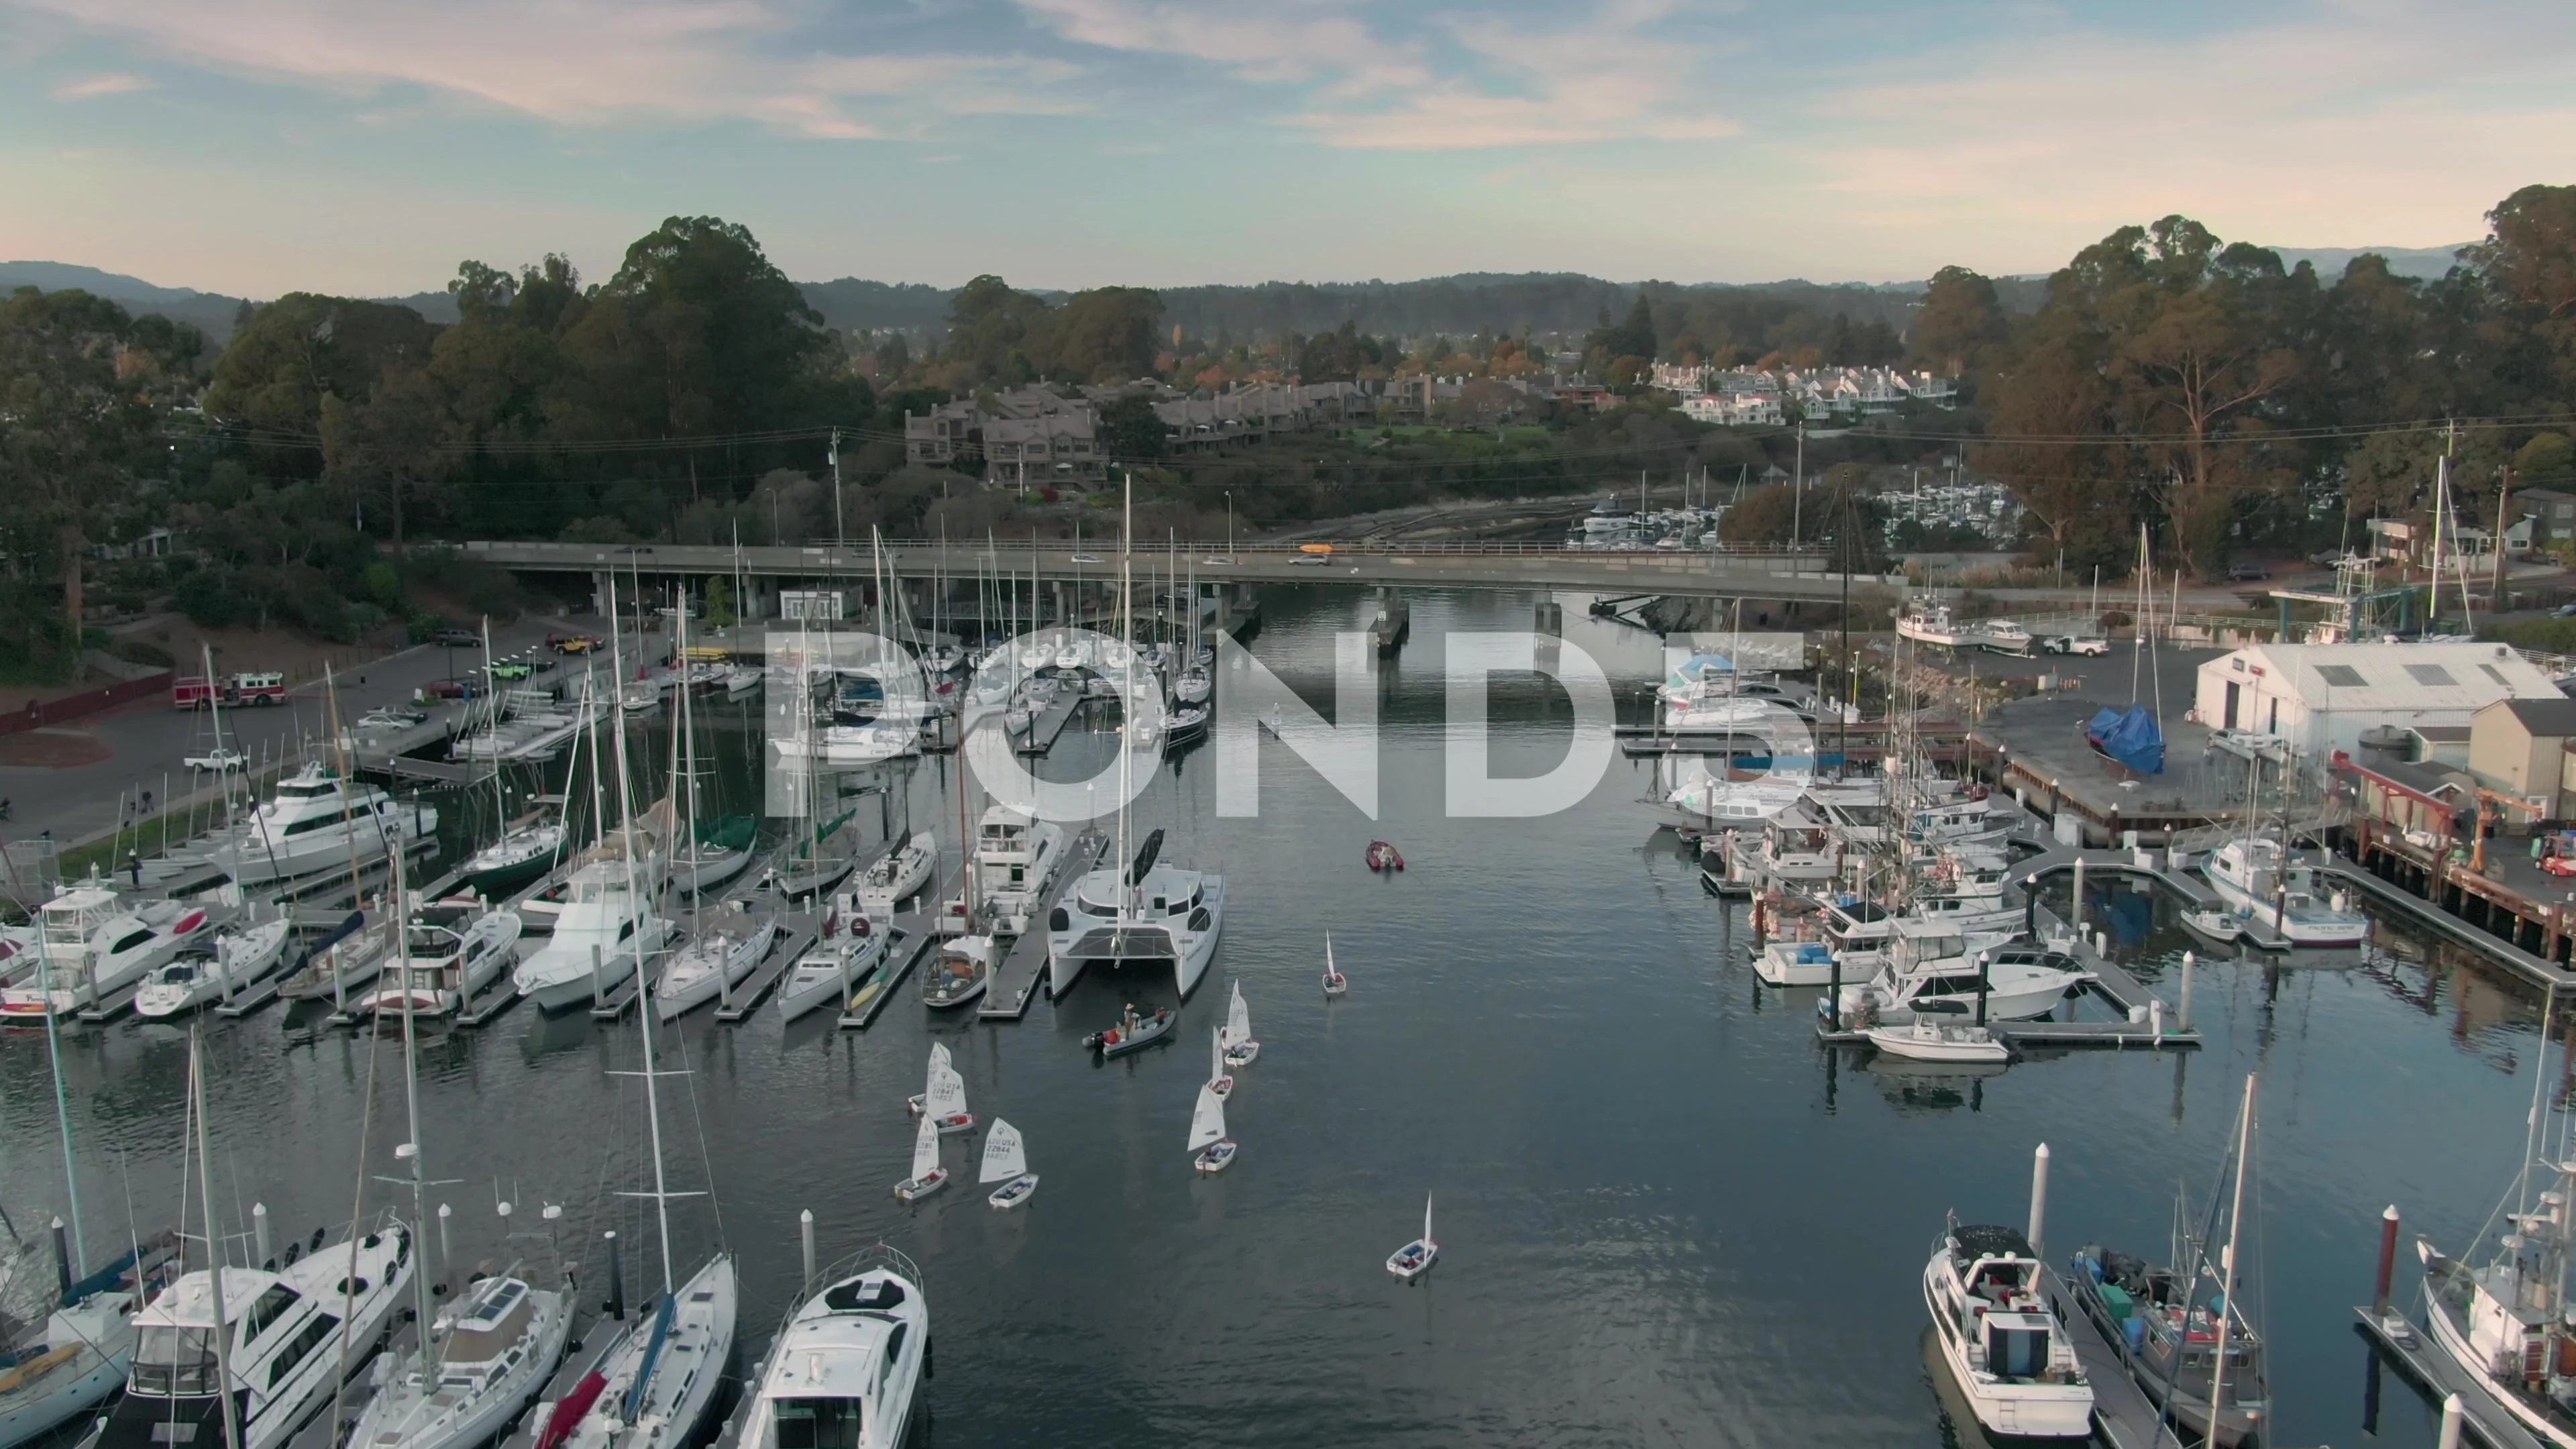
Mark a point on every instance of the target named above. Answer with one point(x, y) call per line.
point(620, 555)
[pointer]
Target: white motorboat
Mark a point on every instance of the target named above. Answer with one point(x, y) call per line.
point(927, 1175)
point(318, 822)
point(641, 696)
point(1943, 1035)
point(605, 930)
point(2004, 636)
point(494, 1349)
point(2221, 927)
point(1335, 983)
point(123, 946)
point(898, 875)
point(1210, 1149)
point(846, 1366)
point(1925, 965)
point(283, 1332)
point(1706, 803)
point(2256, 878)
point(847, 948)
point(959, 973)
point(2004, 1347)
point(1006, 1161)
point(730, 945)
point(244, 955)
point(1219, 1081)
point(1148, 912)
point(740, 680)
point(1928, 621)
point(1240, 1048)
point(1848, 940)
point(1415, 1258)
point(446, 964)
point(1017, 857)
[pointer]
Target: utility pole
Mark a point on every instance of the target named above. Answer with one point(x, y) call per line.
point(2504, 500)
point(838, 533)
point(1798, 486)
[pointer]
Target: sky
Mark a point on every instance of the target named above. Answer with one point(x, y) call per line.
point(367, 146)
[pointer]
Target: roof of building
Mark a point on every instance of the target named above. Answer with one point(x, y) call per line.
point(2409, 677)
point(2433, 734)
point(2543, 718)
point(2432, 781)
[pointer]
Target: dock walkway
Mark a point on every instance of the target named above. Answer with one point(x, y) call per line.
point(1050, 723)
point(1022, 974)
point(913, 939)
point(2122, 1413)
point(2404, 1345)
point(2422, 913)
point(798, 929)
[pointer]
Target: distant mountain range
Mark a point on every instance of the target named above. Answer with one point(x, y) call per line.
point(1541, 301)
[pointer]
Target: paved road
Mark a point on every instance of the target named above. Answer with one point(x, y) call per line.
point(149, 740)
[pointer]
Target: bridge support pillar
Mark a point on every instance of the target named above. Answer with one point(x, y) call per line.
point(599, 592)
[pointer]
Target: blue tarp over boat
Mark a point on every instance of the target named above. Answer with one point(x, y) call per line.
point(2130, 736)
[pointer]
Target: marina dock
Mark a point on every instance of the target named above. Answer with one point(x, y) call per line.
point(2401, 1344)
point(2123, 1416)
point(912, 941)
point(1021, 976)
point(2139, 1024)
point(1044, 729)
point(799, 928)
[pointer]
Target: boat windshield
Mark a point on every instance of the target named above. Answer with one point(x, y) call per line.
point(820, 1423)
point(175, 1361)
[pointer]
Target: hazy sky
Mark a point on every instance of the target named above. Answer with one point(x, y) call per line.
point(365, 146)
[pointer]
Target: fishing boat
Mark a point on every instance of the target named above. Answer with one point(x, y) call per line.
point(2257, 878)
point(1383, 857)
point(317, 822)
point(518, 857)
point(1133, 1033)
point(1017, 857)
point(2503, 1323)
point(848, 947)
point(927, 1175)
point(1939, 1032)
point(1240, 1048)
point(1335, 983)
point(1006, 1161)
point(2004, 1348)
point(1220, 1081)
point(1415, 1258)
point(1210, 1149)
point(730, 945)
point(944, 1101)
point(821, 860)
point(846, 1366)
point(245, 954)
point(2163, 1322)
point(1926, 965)
point(1927, 621)
point(959, 973)
point(445, 963)
point(898, 875)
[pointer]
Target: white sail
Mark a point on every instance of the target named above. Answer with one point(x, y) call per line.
point(1426, 1217)
point(1216, 1054)
point(947, 1095)
point(925, 1149)
point(1207, 1124)
point(938, 1062)
point(1238, 1018)
point(1005, 1156)
point(1329, 972)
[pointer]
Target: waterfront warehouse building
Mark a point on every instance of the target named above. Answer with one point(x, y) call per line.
point(2323, 697)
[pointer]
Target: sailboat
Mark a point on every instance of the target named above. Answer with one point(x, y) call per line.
point(730, 946)
point(654, 1387)
point(945, 1103)
point(898, 875)
point(938, 1061)
point(848, 947)
point(1415, 1258)
point(960, 972)
point(1240, 1048)
point(1006, 1161)
point(1335, 983)
point(1219, 1080)
point(927, 1175)
point(1210, 1149)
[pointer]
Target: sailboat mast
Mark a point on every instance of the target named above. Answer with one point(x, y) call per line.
point(500, 807)
point(688, 772)
point(411, 1096)
point(2227, 1309)
point(215, 1251)
point(644, 1011)
point(1127, 692)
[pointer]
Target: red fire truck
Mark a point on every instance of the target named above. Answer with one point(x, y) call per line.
point(194, 691)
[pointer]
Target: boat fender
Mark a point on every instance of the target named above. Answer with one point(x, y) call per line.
point(1058, 920)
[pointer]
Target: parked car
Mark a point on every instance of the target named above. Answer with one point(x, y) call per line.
point(571, 643)
point(455, 638)
point(2075, 644)
point(2246, 573)
point(218, 760)
point(2565, 611)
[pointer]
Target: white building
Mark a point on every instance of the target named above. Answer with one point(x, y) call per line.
point(2321, 697)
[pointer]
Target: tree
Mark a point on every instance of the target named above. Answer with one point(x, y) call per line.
point(1106, 335)
point(392, 445)
point(1632, 337)
point(69, 434)
point(1961, 322)
point(1130, 430)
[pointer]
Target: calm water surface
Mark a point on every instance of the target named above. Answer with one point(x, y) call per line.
point(1667, 1217)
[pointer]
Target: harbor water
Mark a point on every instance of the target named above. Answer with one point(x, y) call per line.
point(1667, 1215)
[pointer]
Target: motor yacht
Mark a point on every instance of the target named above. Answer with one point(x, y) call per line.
point(846, 1366)
point(606, 928)
point(124, 944)
point(1931, 963)
point(448, 957)
point(1150, 911)
point(317, 822)
point(1017, 858)
point(2010, 1357)
point(244, 953)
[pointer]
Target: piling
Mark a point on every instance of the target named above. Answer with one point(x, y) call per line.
point(2102, 944)
point(2156, 1020)
point(2182, 1008)
point(1833, 988)
point(1985, 983)
point(2038, 1198)
point(62, 1263)
point(259, 1234)
point(805, 1232)
point(446, 1256)
point(2075, 903)
point(2387, 1261)
point(616, 1280)
point(598, 991)
point(2453, 1411)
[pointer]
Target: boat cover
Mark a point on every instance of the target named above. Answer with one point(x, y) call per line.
point(2130, 736)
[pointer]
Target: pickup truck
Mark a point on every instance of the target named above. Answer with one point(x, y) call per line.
point(2075, 644)
point(218, 760)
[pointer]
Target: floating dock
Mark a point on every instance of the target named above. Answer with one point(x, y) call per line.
point(2138, 1025)
point(1044, 729)
point(1021, 976)
point(2403, 1344)
point(494, 1002)
point(2122, 1414)
point(911, 942)
point(798, 928)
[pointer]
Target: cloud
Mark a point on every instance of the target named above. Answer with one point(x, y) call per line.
point(588, 62)
point(114, 83)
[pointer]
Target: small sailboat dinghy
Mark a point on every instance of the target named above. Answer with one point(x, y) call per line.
point(944, 1105)
point(1240, 1048)
point(1415, 1258)
point(1210, 1149)
point(1133, 1033)
point(1219, 1081)
point(1006, 1161)
point(927, 1175)
point(1335, 983)
point(938, 1060)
